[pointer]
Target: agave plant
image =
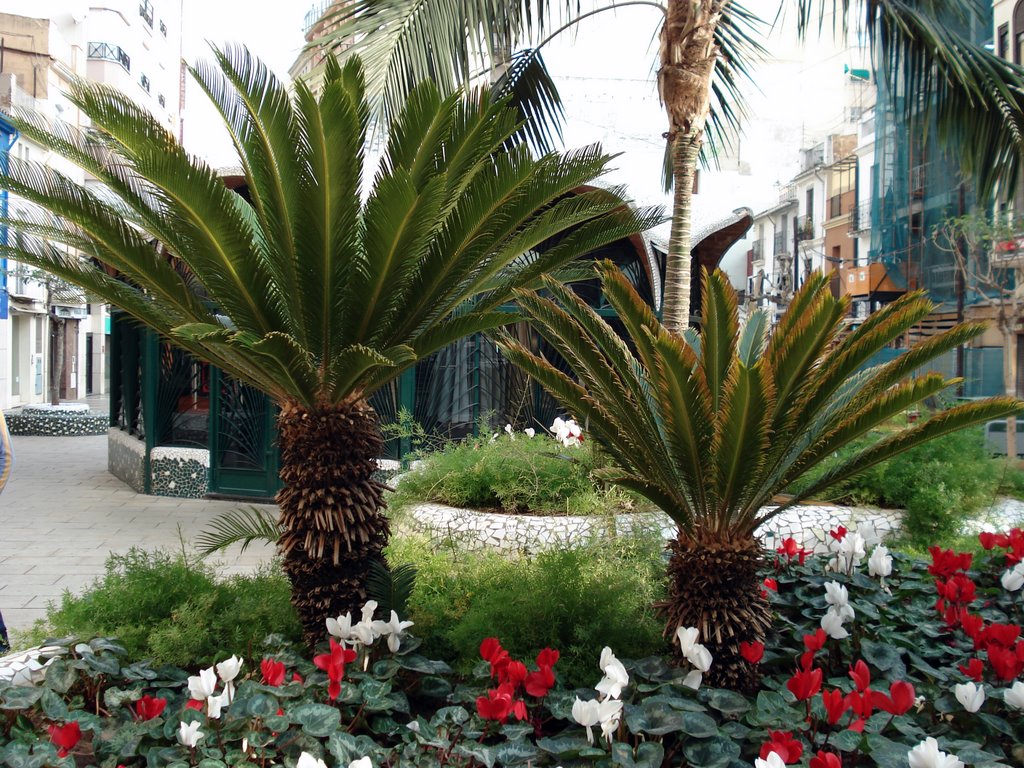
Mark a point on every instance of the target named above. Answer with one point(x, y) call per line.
point(304, 287)
point(712, 427)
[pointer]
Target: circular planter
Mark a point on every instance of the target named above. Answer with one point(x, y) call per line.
point(470, 529)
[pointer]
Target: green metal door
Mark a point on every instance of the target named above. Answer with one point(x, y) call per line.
point(243, 451)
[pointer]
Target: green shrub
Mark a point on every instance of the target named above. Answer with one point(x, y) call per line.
point(520, 476)
point(173, 610)
point(939, 484)
point(574, 600)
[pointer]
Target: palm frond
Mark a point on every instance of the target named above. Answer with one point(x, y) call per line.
point(245, 525)
point(391, 587)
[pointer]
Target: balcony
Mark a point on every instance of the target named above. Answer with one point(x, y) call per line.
point(109, 52)
point(917, 181)
point(860, 217)
point(146, 12)
point(756, 250)
point(314, 14)
point(1009, 253)
point(805, 227)
point(867, 280)
point(161, 100)
point(163, 28)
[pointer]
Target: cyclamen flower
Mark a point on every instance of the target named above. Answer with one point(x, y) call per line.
point(1014, 696)
point(229, 668)
point(510, 432)
point(826, 760)
point(838, 597)
point(1013, 579)
point(65, 737)
point(615, 676)
point(752, 652)
point(333, 664)
point(604, 713)
point(784, 745)
point(148, 707)
point(568, 433)
point(772, 761)
point(880, 562)
point(341, 627)
point(202, 686)
point(530, 432)
point(189, 734)
point(306, 760)
point(393, 630)
point(971, 696)
point(927, 755)
point(695, 653)
point(273, 672)
point(832, 623)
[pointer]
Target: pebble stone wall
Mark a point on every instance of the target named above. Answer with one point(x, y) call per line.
point(179, 472)
point(52, 422)
point(475, 530)
point(126, 459)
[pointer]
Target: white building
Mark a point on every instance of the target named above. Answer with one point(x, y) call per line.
point(134, 46)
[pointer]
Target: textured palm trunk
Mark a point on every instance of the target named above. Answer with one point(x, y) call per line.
point(687, 53)
point(715, 585)
point(331, 508)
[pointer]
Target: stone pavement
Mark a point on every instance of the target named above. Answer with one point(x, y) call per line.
point(62, 513)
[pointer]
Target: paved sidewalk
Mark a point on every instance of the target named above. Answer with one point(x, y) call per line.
point(62, 513)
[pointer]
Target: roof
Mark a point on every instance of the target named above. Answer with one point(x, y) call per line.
point(709, 242)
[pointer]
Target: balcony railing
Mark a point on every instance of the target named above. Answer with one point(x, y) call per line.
point(314, 14)
point(109, 52)
point(144, 82)
point(806, 227)
point(161, 100)
point(163, 28)
point(146, 12)
point(780, 243)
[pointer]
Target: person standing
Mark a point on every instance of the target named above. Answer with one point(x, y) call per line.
point(6, 460)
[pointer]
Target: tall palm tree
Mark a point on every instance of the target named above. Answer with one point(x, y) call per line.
point(704, 46)
point(305, 289)
point(712, 427)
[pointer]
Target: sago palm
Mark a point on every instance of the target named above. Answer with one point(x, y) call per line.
point(705, 48)
point(712, 427)
point(304, 287)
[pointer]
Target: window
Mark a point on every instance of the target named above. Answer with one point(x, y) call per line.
point(110, 52)
point(1018, 31)
point(1003, 41)
point(810, 207)
point(161, 100)
point(146, 12)
point(163, 28)
point(144, 82)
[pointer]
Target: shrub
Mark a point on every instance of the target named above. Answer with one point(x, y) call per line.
point(939, 484)
point(575, 600)
point(172, 609)
point(519, 476)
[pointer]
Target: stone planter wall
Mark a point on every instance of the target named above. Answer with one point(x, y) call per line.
point(56, 422)
point(474, 530)
point(126, 459)
point(180, 472)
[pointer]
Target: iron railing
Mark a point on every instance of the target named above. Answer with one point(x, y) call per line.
point(110, 52)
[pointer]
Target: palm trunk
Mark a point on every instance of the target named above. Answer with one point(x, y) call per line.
point(1010, 385)
point(715, 586)
point(687, 52)
point(331, 508)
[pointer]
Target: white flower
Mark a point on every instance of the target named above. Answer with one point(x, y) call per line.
point(306, 760)
point(851, 550)
point(392, 630)
point(927, 755)
point(615, 676)
point(530, 432)
point(189, 734)
point(693, 652)
point(773, 761)
point(610, 714)
point(971, 696)
point(880, 562)
point(341, 627)
point(362, 762)
point(1013, 579)
point(364, 632)
point(587, 714)
point(568, 433)
point(832, 623)
point(868, 534)
point(693, 679)
point(229, 668)
point(837, 597)
point(214, 704)
point(201, 686)
point(510, 432)
point(1014, 695)
point(368, 608)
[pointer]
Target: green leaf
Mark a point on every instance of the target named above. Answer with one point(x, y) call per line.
point(316, 719)
point(20, 697)
point(728, 702)
point(846, 741)
point(434, 687)
point(486, 755)
point(717, 752)
point(53, 706)
point(882, 656)
point(516, 753)
point(563, 746)
point(60, 675)
point(417, 663)
point(102, 663)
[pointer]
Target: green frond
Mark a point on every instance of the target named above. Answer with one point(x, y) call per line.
point(245, 525)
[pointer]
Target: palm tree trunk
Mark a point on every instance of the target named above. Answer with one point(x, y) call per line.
point(715, 586)
point(676, 311)
point(687, 53)
point(331, 508)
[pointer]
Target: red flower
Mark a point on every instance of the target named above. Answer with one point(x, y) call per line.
point(899, 700)
point(491, 651)
point(273, 672)
point(836, 705)
point(771, 584)
point(540, 682)
point(816, 641)
point(296, 677)
point(513, 673)
point(784, 745)
point(974, 669)
point(860, 703)
point(857, 725)
point(826, 760)
point(547, 658)
point(789, 548)
point(65, 737)
point(498, 705)
point(1000, 634)
point(196, 704)
point(989, 540)
point(752, 652)
point(333, 664)
point(945, 562)
point(861, 675)
point(805, 684)
point(972, 625)
point(149, 707)
point(838, 534)
point(1005, 662)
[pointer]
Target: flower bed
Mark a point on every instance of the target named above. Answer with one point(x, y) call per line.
point(879, 660)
